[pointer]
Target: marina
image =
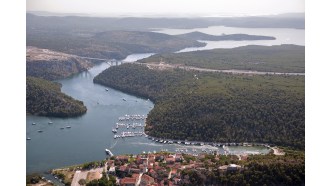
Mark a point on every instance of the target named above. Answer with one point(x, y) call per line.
point(55, 147)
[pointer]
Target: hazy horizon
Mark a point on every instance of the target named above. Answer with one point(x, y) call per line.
point(168, 8)
point(47, 13)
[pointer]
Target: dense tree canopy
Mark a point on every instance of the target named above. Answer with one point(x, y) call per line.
point(216, 107)
point(256, 170)
point(46, 99)
point(109, 44)
point(280, 58)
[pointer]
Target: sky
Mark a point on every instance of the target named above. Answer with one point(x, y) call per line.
point(168, 7)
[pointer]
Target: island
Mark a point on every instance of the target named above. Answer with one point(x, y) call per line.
point(224, 37)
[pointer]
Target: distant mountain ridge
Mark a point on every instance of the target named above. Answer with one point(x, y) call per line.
point(114, 44)
point(233, 37)
point(90, 24)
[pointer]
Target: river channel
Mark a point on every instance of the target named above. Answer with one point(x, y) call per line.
point(90, 134)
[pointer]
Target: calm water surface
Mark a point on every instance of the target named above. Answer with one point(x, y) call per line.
point(283, 36)
point(91, 133)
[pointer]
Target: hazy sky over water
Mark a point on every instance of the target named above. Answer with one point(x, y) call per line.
point(168, 7)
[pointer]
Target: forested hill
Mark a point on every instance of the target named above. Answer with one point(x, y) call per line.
point(108, 44)
point(233, 37)
point(216, 107)
point(51, 65)
point(69, 23)
point(45, 98)
point(277, 58)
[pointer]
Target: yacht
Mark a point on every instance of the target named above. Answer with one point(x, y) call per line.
point(28, 138)
point(108, 152)
point(33, 123)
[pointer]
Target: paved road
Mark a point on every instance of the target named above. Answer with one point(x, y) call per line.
point(232, 71)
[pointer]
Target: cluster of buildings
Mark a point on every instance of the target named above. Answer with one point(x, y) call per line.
point(157, 169)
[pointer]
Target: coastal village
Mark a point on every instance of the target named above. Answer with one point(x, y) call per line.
point(150, 169)
point(155, 168)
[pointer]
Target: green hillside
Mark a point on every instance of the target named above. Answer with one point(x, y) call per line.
point(278, 58)
point(216, 107)
point(45, 98)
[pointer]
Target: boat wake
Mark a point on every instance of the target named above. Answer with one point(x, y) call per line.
point(114, 145)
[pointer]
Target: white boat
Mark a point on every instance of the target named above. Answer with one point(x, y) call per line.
point(108, 152)
point(50, 122)
point(68, 126)
point(28, 138)
point(114, 130)
point(124, 99)
point(106, 89)
point(33, 123)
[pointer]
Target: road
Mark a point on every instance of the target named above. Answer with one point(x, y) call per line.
point(163, 66)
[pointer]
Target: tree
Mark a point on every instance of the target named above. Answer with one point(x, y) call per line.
point(82, 182)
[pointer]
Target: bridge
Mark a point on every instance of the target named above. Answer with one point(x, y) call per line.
point(111, 62)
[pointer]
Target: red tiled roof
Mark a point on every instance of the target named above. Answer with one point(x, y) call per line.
point(135, 175)
point(128, 180)
point(122, 157)
point(147, 178)
point(123, 168)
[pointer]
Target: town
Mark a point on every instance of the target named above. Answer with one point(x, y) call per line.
point(153, 169)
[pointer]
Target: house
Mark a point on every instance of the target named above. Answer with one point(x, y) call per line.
point(176, 181)
point(135, 175)
point(122, 158)
point(133, 170)
point(159, 157)
point(128, 181)
point(152, 172)
point(122, 171)
point(112, 170)
point(233, 167)
point(147, 180)
point(178, 157)
point(170, 160)
point(123, 168)
point(223, 168)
